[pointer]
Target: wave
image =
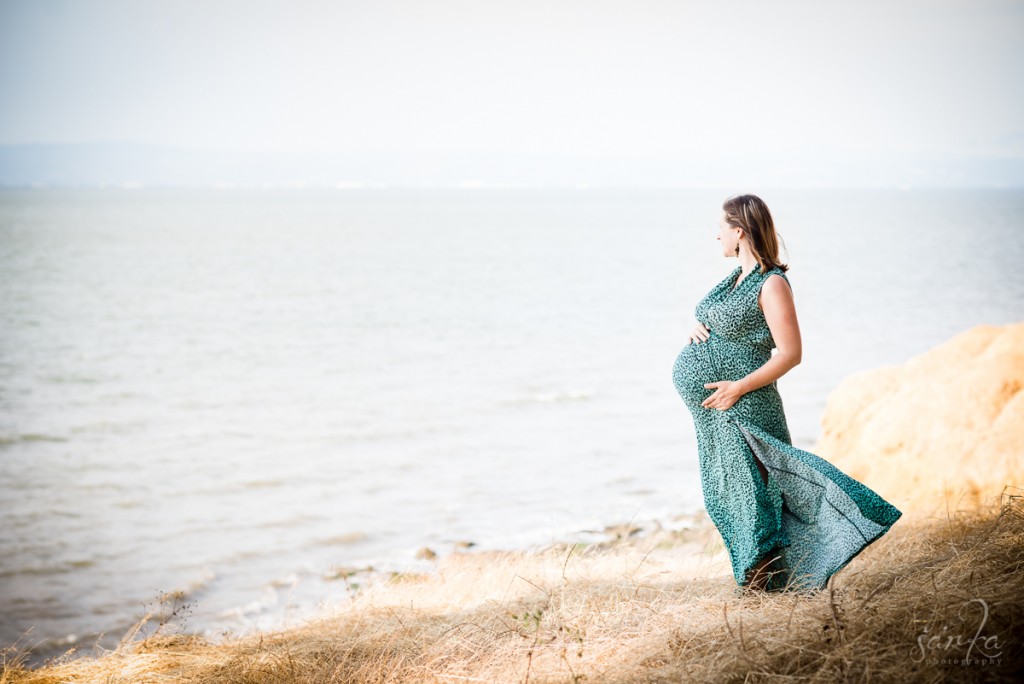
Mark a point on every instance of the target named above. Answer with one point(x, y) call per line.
point(30, 437)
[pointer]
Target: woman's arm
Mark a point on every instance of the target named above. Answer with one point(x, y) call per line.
point(780, 313)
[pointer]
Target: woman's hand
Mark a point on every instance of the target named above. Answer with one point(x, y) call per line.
point(727, 393)
point(700, 334)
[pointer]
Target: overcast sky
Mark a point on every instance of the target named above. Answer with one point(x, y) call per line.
point(667, 80)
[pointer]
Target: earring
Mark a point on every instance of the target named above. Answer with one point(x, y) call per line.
point(737, 248)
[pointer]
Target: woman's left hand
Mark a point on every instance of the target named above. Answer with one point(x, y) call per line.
point(727, 393)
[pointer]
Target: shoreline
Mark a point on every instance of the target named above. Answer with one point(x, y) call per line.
point(651, 606)
point(683, 533)
point(674, 535)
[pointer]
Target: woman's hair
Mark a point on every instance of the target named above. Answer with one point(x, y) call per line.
point(750, 213)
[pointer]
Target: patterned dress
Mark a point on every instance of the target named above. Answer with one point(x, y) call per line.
point(811, 514)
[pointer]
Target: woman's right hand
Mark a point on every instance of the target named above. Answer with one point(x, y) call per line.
point(700, 334)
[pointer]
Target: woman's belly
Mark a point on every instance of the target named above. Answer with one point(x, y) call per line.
point(694, 367)
point(717, 358)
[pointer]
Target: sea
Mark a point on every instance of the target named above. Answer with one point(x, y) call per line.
point(236, 396)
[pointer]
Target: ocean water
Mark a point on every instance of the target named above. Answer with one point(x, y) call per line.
point(233, 393)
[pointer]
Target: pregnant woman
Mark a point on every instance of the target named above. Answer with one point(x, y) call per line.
point(789, 518)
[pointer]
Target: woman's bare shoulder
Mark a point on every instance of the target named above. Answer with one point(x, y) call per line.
point(776, 287)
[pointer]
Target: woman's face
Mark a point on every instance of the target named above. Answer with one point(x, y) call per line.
point(727, 236)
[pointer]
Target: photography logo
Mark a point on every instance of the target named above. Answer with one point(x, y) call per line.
point(964, 644)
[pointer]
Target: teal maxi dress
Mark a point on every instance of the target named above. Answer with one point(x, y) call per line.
point(810, 514)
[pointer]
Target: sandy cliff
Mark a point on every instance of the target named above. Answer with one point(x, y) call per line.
point(945, 428)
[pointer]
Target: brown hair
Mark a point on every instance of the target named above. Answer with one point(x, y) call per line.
point(750, 213)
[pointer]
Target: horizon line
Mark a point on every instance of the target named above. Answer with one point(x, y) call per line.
point(358, 186)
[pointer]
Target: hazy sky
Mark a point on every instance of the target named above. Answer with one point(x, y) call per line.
point(785, 81)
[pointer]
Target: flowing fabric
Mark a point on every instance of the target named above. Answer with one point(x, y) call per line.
point(810, 516)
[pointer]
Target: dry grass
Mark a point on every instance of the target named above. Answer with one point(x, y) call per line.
point(641, 611)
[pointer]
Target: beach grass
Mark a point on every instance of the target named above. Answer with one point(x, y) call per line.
point(912, 607)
